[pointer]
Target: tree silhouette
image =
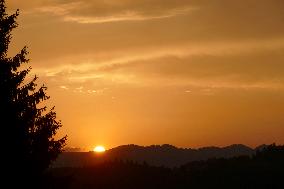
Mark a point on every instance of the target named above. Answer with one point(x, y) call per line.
point(263, 170)
point(27, 127)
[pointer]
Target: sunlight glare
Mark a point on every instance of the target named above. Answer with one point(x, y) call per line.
point(99, 149)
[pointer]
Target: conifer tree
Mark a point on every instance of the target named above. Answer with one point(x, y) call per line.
point(27, 127)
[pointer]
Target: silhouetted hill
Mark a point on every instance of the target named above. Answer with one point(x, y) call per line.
point(263, 170)
point(156, 155)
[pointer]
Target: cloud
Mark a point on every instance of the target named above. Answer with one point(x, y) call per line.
point(148, 53)
point(255, 64)
point(126, 16)
point(207, 22)
point(113, 59)
point(229, 44)
point(64, 87)
point(92, 12)
point(60, 10)
point(252, 18)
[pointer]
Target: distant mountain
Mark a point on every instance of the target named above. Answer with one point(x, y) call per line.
point(157, 155)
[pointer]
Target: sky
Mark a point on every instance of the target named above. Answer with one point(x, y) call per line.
point(190, 73)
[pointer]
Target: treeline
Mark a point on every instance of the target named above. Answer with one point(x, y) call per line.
point(264, 170)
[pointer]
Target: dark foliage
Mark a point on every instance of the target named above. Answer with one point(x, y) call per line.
point(27, 127)
point(261, 171)
point(155, 155)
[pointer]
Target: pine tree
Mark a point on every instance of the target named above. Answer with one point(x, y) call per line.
point(27, 127)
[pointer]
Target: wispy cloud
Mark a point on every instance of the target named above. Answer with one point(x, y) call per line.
point(216, 65)
point(118, 59)
point(127, 16)
point(64, 87)
point(60, 9)
point(76, 12)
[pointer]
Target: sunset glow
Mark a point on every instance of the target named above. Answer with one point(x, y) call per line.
point(99, 149)
point(142, 94)
point(189, 73)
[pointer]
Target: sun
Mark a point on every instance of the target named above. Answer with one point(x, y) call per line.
point(99, 149)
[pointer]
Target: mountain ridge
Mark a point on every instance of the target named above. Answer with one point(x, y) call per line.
point(156, 155)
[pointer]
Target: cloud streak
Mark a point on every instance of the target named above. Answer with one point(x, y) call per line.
point(113, 60)
point(169, 64)
point(215, 65)
point(76, 12)
point(127, 16)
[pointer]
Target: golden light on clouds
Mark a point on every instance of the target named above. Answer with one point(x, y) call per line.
point(189, 73)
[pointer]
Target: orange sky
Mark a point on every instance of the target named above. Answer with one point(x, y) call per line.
point(190, 73)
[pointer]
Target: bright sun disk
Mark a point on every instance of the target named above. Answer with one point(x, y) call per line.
point(99, 149)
